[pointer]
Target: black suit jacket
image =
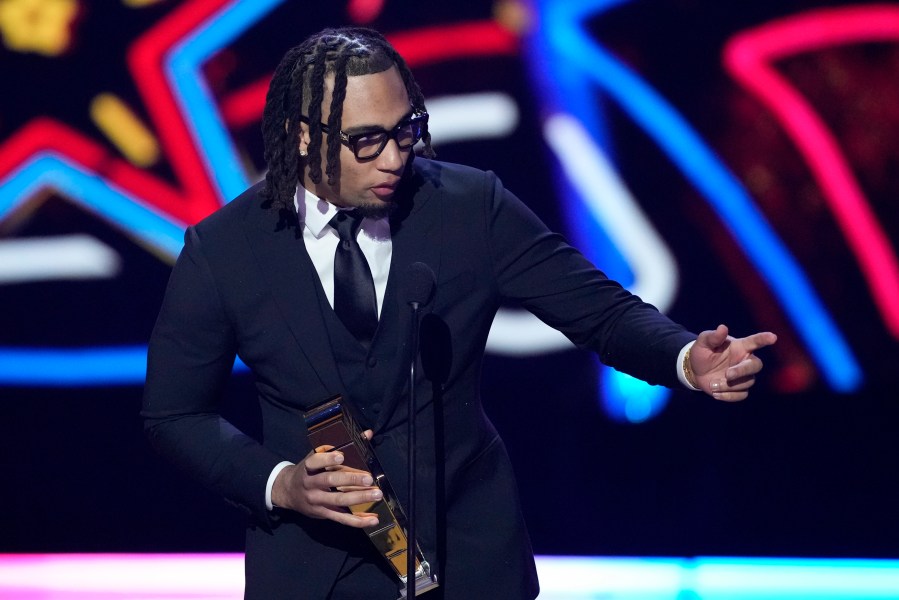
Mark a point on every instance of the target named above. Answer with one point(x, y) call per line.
point(244, 285)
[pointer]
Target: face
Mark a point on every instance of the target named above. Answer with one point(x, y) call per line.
point(376, 101)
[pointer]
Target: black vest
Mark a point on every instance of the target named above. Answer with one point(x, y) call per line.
point(365, 373)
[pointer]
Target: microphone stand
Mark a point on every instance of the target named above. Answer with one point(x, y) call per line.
point(410, 451)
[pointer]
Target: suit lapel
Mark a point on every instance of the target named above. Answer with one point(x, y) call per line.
point(416, 238)
point(278, 246)
point(285, 264)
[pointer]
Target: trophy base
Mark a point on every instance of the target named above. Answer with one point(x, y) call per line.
point(421, 586)
point(424, 581)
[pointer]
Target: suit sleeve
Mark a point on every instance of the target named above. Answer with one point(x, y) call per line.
point(539, 269)
point(191, 354)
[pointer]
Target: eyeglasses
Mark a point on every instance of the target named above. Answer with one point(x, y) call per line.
point(369, 144)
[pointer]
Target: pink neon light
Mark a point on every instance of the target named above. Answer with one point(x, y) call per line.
point(749, 55)
point(364, 11)
point(121, 576)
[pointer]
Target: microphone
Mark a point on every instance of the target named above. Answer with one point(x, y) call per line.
point(418, 288)
point(419, 285)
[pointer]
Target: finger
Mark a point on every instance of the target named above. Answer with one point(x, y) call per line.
point(347, 499)
point(325, 499)
point(730, 396)
point(713, 339)
point(758, 340)
point(335, 479)
point(747, 367)
point(318, 461)
point(343, 516)
point(368, 434)
point(352, 520)
point(736, 385)
point(345, 469)
point(353, 488)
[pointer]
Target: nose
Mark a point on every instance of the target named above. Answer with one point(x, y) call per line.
point(391, 157)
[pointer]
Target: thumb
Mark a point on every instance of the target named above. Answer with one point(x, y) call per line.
point(713, 339)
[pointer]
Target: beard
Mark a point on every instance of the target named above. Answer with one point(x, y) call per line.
point(376, 210)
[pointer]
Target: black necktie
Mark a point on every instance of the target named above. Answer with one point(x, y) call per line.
point(354, 290)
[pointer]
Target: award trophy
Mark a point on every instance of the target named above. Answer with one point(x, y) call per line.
point(331, 424)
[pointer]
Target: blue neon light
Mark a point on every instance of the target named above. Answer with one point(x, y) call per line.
point(184, 71)
point(728, 578)
point(112, 365)
point(95, 194)
point(117, 365)
point(569, 44)
point(88, 366)
point(626, 398)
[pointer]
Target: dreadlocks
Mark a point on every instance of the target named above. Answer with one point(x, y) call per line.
point(297, 89)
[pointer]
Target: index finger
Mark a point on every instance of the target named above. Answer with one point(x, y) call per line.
point(343, 479)
point(758, 340)
point(317, 461)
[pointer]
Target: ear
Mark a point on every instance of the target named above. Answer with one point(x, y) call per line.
point(304, 138)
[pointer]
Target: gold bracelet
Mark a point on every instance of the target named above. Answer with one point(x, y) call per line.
point(688, 372)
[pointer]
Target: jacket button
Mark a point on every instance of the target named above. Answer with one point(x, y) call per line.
point(372, 362)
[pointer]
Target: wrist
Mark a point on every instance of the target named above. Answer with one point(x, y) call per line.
point(687, 376)
point(278, 483)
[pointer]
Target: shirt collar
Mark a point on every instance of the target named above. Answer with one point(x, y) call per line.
point(317, 212)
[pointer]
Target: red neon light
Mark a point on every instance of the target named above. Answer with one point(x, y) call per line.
point(749, 56)
point(434, 44)
point(44, 135)
point(48, 135)
point(418, 47)
point(244, 107)
point(195, 197)
point(145, 59)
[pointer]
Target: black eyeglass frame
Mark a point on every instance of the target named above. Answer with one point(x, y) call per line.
point(350, 140)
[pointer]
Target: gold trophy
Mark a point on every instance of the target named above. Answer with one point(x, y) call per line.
point(331, 424)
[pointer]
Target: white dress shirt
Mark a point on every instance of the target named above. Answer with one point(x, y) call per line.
point(321, 243)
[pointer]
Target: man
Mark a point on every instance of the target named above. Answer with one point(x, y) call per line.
point(265, 278)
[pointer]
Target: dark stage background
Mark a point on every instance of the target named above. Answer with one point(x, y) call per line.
point(755, 144)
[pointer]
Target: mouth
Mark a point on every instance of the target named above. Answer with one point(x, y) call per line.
point(384, 190)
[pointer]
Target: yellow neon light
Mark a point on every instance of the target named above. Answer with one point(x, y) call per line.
point(41, 26)
point(139, 3)
point(124, 129)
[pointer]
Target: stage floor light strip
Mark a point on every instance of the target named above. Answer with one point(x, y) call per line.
point(220, 577)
